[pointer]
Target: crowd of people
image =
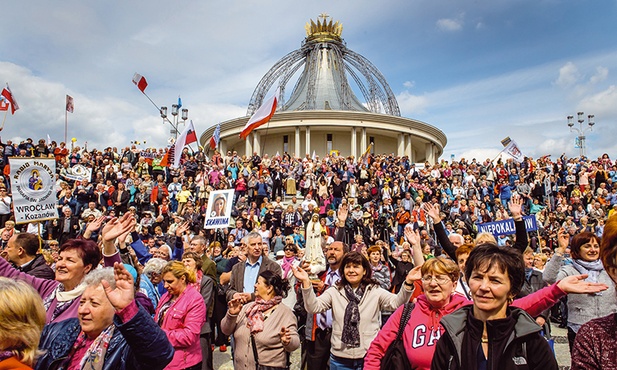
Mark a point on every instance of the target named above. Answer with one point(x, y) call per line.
point(321, 254)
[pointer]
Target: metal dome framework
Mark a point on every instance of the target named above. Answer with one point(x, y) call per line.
point(324, 46)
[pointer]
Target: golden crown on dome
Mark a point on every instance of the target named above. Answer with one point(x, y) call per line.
point(323, 30)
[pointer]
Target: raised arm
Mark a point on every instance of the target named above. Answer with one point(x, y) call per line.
point(433, 211)
point(516, 209)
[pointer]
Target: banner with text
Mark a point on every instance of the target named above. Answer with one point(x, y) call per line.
point(218, 211)
point(506, 227)
point(32, 186)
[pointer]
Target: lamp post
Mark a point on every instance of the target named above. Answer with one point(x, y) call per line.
point(174, 112)
point(581, 130)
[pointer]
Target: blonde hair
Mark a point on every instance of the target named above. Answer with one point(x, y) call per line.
point(483, 238)
point(23, 318)
point(441, 266)
point(178, 270)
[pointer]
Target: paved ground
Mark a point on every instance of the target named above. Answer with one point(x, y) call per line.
point(222, 360)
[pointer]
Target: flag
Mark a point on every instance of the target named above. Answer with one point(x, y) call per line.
point(140, 82)
point(506, 141)
point(313, 157)
point(364, 156)
point(48, 139)
point(188, 136)
point(179, 102)
point(513, 149)
point(69, 103)
point(262, 115)
point(216, 137)
point(8, 95)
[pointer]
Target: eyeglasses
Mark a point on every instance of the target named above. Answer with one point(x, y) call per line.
point(289, 249)
point(440, 279)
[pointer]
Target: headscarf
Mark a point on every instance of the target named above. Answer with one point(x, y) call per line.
point(255, 314)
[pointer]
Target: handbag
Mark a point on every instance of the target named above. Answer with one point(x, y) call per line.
point(264, 367)
point(395, 357)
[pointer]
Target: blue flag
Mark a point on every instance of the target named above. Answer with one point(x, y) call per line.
point(179, 102)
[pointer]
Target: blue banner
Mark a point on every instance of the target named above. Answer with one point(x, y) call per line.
point(506, 227)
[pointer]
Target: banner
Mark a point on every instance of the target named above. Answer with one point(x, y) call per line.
point(506, 227)
point(218, 211)
point(32, 185)
point(79, 173)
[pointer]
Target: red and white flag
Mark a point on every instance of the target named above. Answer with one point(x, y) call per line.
point(188, 136)
point(261, 116)
point(216, 137)
point(69, 103)
point(140, 82)
point(8, 95)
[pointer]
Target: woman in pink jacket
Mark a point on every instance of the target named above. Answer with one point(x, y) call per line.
point(181, 313)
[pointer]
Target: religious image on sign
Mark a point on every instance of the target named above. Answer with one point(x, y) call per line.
point(32, 182)
point(218, 211)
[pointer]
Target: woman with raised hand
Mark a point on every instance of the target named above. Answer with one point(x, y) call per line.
point(585, 251)
point(265, 331)
point(356, 302)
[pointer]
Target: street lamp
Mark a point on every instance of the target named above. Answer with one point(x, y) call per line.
point(174, 112)
point(581, 130)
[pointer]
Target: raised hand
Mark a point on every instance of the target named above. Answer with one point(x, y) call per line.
point(413, 237)
point(414, 274)
point(234, 306)
point(302, 276)
point(124, 293)
point(433, 211)
point(96, 224)
point(116, 227)
point(577, 284)
point(563, 240)
point(515, 205)
point(182, 228)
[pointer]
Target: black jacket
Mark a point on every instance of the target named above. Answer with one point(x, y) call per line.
point(136, 344)
point(38, 268)
point(514, 343)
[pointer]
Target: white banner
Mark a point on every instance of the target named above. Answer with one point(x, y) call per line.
point(32, 186)
point(79, 173)
point(218, 211)
point(514, 151)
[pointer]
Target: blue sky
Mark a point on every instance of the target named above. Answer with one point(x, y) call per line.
point(478, 70)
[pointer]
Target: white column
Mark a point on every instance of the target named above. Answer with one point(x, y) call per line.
point(354, 141)
point(257, 142)
point(297, 143)
point(408, 146)
point(223, 147)
point(400, 148)
point(308, 140)
point(248, 148)
point(428, 153)
point(363, 143)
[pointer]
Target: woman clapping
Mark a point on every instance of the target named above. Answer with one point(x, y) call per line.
point(265, 330)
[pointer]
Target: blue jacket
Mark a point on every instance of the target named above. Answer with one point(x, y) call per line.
point(136, 344)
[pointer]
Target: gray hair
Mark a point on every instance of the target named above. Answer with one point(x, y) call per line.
point(154, 265)
point(253, 235)
point(95, 277)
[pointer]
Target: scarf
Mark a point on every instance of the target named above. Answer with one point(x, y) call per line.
point(63, 298)
point(94, 359)
point(351, 330)
point(255, 314)
point(286, 265)
point(591, 268)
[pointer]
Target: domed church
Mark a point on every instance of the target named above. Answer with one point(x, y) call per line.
point(322, 113)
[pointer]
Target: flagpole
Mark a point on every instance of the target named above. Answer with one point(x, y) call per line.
point(4, 119)
point(66, 124)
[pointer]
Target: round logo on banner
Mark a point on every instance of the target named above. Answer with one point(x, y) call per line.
point(34, 183)
point(80, 171)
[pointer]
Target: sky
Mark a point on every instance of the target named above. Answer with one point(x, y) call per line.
point(478, 70)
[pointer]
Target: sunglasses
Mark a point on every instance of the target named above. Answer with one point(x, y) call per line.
point(289, 249)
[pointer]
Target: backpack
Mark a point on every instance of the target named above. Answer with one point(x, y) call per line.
point(395, 357)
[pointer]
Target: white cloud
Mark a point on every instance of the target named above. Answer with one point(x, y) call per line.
point(409, 84)
point(568, 75)
point(600, 75)
point(449, 24)
point(411, 104)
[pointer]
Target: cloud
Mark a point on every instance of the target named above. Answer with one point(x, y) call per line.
point(449, 24)
point(409, 84)
point(411, 104)
point(568, 75)
point(601, 75)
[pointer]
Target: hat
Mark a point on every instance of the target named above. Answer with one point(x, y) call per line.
point(280, 254)
point(366, 215)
